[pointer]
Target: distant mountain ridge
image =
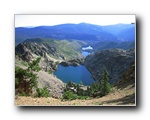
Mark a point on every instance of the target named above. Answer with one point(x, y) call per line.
point(108, 45)
point(124, 32)
point(82, 31)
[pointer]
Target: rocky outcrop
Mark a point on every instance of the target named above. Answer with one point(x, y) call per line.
point(115, 60)
point(128, 77)
point(58, 49)
point(74, 62)
point(38, 49)
point(54, 85)
point(23, 53)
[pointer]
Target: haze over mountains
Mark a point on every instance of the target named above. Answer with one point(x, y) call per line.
point(86, 32)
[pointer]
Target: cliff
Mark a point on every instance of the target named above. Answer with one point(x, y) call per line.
point(116, 61)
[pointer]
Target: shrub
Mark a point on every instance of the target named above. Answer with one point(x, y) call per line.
point(34, 65)
point(26, 79)
point(42, 92)
point(82, 97)
point(23, 94)
point(50, 71)
point(69, 95)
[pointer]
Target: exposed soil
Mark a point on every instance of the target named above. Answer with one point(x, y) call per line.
point(120, 97)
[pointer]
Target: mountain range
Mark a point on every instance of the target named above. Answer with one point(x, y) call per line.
point(89, 33)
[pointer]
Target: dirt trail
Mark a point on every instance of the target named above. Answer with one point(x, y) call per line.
point(119, 97)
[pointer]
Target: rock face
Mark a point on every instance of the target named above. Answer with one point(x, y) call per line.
point(128, 77)
point(54, 85)
point(74, 62)
point(58, 49)
point(23, 52)
point(115, 60)
point(38, 49)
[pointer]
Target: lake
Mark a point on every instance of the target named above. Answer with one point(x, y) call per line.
point(84, 53)
point(75, 74)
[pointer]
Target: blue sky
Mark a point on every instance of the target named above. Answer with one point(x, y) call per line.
point(39, 20)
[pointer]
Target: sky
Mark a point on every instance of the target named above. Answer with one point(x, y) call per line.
point(50, 20)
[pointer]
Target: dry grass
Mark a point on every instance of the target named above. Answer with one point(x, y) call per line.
point(119, 97)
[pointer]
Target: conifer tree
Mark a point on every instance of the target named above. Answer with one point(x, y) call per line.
point(26, 79)
point(104, 84)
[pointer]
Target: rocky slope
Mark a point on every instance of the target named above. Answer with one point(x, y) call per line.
point(44, 79)
point(127, 78)
point(54, 85)
point(122, 94)
point(51, 52)
point(73, 62)
point(49, 47)
point(116, 62)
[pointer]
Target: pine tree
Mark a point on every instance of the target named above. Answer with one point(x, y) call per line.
point(26, 79)
point(104, 84)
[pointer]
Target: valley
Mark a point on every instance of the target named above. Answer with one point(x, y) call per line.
point(69, 64)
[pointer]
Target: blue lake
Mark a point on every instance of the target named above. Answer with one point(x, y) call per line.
point(84, 53)
point(75, 74)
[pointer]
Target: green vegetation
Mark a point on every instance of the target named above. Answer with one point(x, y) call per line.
point(61, 48)
point(34, 65)
point(26, 81)
point(50, 71)
point(101, 88)
point(69, 95)
point(104, 84)
point(53, 66)
point(74, 91)
point(97, 89)
point(24, 63)
point(42, 92)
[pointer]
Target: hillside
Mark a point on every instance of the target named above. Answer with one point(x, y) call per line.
point(61, 50)
point(110, 63)
point(118, 98)
point(115, 60)
point(108, 45)
point(121, 97)
point(51, 52)
point(122, 94)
